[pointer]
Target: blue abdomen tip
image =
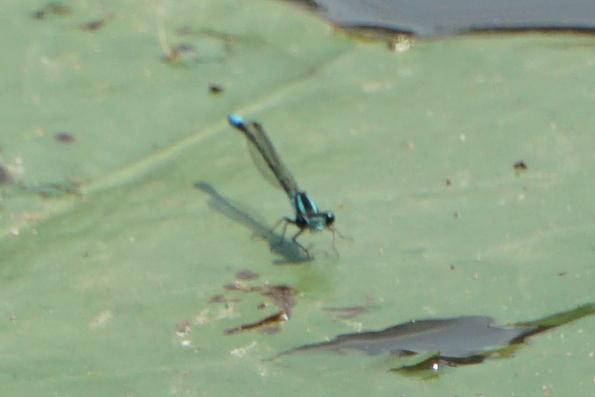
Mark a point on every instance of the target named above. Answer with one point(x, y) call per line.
point(235, 120)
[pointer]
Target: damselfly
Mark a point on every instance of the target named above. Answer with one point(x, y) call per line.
point(307, 214)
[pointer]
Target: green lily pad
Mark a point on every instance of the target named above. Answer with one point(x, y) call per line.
point(106, 291)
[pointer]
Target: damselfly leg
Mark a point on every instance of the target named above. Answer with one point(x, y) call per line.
point(294, 239)
point(286, 221)
point(336, 233)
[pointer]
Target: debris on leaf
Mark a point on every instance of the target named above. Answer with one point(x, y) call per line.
point(215, 89)
point(64, 137)
point(245, 274)
point(520, 167)
point(53, 8)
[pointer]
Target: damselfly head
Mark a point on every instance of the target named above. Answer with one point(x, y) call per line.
point(315, 222)
point(329, 218)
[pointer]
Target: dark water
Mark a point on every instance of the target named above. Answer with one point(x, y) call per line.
point(428, 18)
point(451, 341)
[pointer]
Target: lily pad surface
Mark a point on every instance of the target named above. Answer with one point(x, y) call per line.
point(131, 212)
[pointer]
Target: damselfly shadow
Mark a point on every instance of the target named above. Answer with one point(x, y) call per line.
point(291, 253)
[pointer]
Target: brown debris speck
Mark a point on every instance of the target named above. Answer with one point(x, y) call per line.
point(64, 137)
point(53, 8)
point(216, 89)
point(237, 285)
point(245, 274)
point(183, 328)
point(269, 321)
point(281, 296)
point(176, 53)
point(218, 299)
point(96, 24)
point(93, 25)
point(349, 312)
point(520, 167)
point(5, 177)
point(346, 313)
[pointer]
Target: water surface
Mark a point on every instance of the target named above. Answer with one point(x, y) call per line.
point(435, 18)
